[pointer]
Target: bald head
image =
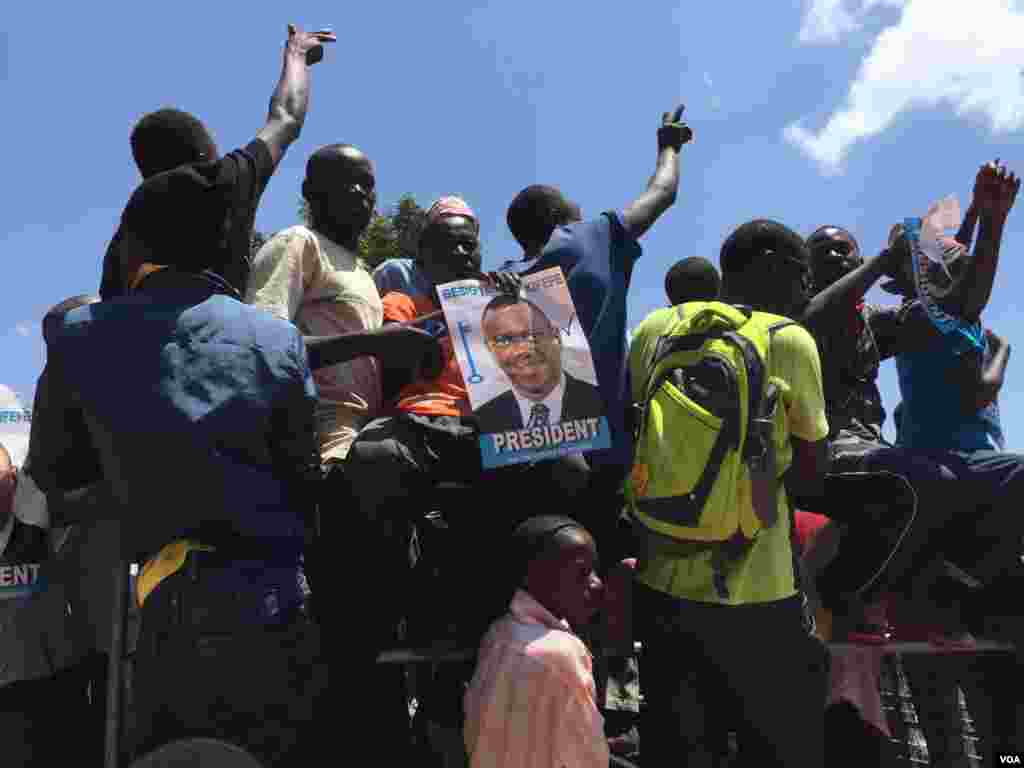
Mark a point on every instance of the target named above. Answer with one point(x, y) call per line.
point(5, 459)
point(341, 189)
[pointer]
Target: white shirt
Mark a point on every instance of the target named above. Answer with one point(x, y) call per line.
point(5, 534)
point(306, 278)
point(553, 401)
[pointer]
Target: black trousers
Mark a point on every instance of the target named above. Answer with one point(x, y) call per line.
point(752, 665)
point(199, 674)
point(392, 469)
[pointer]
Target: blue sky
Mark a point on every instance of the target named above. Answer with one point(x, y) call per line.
point(853, 113)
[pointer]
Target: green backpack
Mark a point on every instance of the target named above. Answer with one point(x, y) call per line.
point(705, 468)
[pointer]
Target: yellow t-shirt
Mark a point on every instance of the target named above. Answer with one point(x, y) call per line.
point(764, 573)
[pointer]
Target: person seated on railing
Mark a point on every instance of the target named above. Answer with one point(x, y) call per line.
point(692, 279)
point(854, 339)
point(532, 702)
point(396, 461)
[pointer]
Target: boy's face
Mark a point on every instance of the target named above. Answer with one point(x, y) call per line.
point(564, 580)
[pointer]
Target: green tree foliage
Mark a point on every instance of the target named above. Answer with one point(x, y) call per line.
point(391, 235)
point(256, 241)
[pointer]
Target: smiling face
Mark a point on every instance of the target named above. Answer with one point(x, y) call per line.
point(526, 347)
point(834, 254)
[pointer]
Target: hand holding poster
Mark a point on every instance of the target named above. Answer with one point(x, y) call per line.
point(528, 369)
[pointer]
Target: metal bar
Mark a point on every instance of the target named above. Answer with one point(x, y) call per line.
point(422, 655)
point(112, 735)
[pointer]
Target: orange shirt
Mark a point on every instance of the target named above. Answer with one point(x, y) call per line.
point(444, 396)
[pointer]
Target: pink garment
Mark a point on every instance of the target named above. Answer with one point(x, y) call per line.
point(855, 673)
point(532, 702)
point(450, 206)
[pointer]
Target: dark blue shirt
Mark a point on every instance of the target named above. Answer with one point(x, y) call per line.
point(201, 410)
point(597, 258)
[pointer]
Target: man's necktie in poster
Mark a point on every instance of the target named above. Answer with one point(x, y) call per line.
point(527, 367)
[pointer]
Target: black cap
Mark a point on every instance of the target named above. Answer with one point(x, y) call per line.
point(181, 216)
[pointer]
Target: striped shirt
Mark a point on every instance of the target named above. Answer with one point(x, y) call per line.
point(532, 702)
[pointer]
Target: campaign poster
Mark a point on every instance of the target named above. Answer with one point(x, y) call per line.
point(527, 367)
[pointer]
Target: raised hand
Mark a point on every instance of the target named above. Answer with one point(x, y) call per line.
point(673, 131)
point(309, 44)
point(995, 190)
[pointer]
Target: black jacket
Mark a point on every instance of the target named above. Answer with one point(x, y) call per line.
point(579, 401)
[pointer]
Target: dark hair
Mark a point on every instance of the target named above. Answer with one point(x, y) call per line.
point(692, 279)
point(535, 212)
point(158, 207)
point(167, 138)
point(503, 300)
point(758, 262)
point(757, 244)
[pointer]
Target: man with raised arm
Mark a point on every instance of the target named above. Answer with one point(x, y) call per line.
point(964, 486)
point(207, 450)
point(165, 139)
point(597, 257)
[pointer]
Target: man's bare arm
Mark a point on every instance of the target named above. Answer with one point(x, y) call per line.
point(663, 185)
point(993, 374)
point(846, 291)
point(994, 194)
point(291, 97)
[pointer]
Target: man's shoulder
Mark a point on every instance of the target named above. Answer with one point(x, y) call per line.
point(401, 307)
point(655, 324)
point(571, 382)
point(787, 334)
point(499, 402)
point(560, 653)
point(396, 266)
point(236, 318)
point(296, 234)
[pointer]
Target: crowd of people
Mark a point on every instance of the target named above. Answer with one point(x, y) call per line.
point(264, 435)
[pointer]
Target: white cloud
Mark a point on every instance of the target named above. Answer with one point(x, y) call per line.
point(969, 56)
point(826, 21)
point(23, 329)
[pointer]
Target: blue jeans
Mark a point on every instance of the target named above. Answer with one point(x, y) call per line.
point(969, 506)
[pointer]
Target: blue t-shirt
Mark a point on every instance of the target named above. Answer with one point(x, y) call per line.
point(597, 258)
point(401, 276)
point(931, 418)
point(209, 395)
